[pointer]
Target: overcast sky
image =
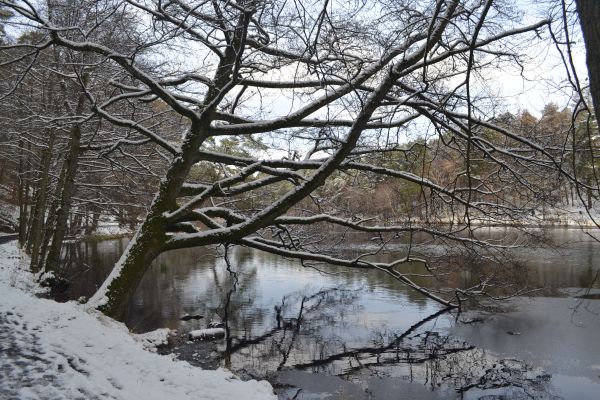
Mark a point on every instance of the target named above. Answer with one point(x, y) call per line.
point(544, 76)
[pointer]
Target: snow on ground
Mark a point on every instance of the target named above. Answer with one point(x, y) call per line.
point(53, 350)
point(575, 216)
point(9, 215)
point(151, 340)
point(110, 228)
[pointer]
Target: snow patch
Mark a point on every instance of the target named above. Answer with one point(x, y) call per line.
point(151, 340)
point(14, 269)
point(209, 333)
point(46, 276)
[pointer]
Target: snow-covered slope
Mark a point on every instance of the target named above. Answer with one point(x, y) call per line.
point(51, 350)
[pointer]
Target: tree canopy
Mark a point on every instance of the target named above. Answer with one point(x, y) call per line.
point(251, 120)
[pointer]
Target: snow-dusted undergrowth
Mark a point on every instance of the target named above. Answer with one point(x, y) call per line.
point(60, 351)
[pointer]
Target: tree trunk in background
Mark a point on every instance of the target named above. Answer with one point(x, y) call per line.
point(41, 204)
point(23, 191)
point(65, 190)
point(56, 223)
point(589, 18)
point(91, 227)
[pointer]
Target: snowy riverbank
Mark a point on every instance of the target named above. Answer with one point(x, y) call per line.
point(60, 351)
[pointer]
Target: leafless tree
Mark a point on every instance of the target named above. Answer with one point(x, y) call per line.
point(337, 84)
point(572, 25)
point(71, 167)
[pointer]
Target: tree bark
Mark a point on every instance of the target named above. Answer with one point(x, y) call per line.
point(589, 18)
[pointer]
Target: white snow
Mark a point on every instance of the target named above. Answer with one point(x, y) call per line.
point(151, 340)
point(61, 351)
point(207, 333)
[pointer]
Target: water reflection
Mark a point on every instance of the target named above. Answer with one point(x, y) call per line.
point(362, 334)
point(318, 332)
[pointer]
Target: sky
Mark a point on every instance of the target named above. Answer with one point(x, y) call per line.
point(544, 75)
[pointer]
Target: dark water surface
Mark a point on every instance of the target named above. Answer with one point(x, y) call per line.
point(348, 334)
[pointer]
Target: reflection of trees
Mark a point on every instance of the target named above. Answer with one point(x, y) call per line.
point(302, 337)
point(85, 265)
point(308, 330)
point(296, 322)
point(379, 353)
point(195, 281)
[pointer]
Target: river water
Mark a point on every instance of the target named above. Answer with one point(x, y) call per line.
point(335, 333)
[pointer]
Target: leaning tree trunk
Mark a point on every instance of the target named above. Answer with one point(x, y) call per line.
point(147, 243)
point(149, 239)
point(589, 18)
